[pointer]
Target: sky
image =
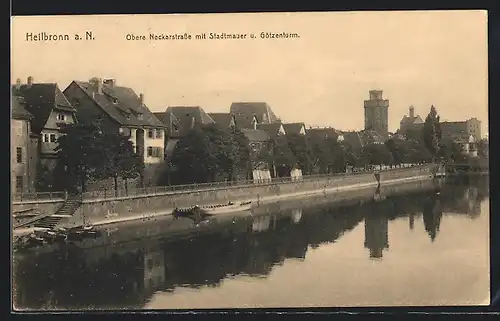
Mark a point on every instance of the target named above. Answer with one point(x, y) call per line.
point(418, 58)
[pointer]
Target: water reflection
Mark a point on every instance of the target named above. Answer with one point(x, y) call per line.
point(126, 275)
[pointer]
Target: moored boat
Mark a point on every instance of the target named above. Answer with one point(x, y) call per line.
point(209, 210)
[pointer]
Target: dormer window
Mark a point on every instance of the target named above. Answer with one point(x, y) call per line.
point(115, 101)
point(140, 116)
point(61, 117)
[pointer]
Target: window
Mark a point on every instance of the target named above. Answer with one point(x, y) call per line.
point(45, 138)
point(140, 116)
point(61, 117)
point(53, 138)
point(115, 101)
point(19, 183)
point(19, 155)
point(155, 152)
point(150, 133)
point(159, 133)
point(150, 151)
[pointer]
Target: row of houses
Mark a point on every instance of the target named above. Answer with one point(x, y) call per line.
point(40, 109)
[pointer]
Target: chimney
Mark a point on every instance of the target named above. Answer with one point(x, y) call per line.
point(18, 83)
point(30, 81)
point(412, 112)
point(141, 98)
point(110, 82)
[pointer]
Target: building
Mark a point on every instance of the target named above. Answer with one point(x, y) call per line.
point(246, 121)
point(225, 120)
point(50, 110)
point(259, 150)
point(180, 120)
point(377, 113)
point(261, 110)
point(408, 122)
point(274, 130)
point(295, 128)
point(465, 133)
point(120, 109)
point(326, 132)
point(23, 156)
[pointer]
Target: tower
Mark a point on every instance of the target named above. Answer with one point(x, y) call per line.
point(377, 113)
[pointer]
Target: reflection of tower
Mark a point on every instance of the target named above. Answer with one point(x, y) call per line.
point(412, 221)
point(376, 234)
point(154, 268)
point(377, 113)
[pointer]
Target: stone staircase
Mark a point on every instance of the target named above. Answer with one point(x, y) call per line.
point(69, 207)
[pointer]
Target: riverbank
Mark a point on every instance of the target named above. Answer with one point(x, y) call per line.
point(122, 209)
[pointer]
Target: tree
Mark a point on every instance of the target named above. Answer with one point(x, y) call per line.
point(398, 150)
point(301, 149)
point(85, 151)
point(483, 148)
point(283, 160)
point(432, 132)
point(81, 154)
point(328, 155)
point(120, 159)
point(210, 152)
point(376, 154)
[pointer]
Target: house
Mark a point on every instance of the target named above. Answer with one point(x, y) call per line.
point(245, 121)
point(225, 120)
point(358, 139)
point(120, 109)
point(326, 132)
point(50, 110)
point(23, 156)
point(261, 110)
point(180, 120)
point(295, 128)
point(259, 148)
point(408, 122)
point(274, 130)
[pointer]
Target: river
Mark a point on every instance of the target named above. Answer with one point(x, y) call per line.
point(427, 245)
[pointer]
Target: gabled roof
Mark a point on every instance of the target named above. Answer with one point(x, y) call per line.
point(187, 116)
point(223, 119)
point(271, 129)
point(255, 135)
point(294, 128)
point(358, 139)
point(41, 99)
point(244, 121)
point(327, 132)
point(122, 104)
point(258, 109)
point(18, 110)
point(407, 120)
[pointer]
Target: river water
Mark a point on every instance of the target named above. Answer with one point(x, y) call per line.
point(427, 245)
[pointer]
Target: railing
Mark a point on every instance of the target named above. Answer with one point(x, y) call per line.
point(154, 190)
point(45, 196)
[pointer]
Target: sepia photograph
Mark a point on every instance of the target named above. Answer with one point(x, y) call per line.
point(249, 160)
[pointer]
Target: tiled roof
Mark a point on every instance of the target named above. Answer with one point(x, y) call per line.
point(358, 139)
point(18, 110)
point(271, 129)
point(326, 132)
point(244, 121)
point(255, 135)
point(223, 119)
point(41, 99)
point(122, 104)
point(184, 116)
point(293, 128)
point(258, 109)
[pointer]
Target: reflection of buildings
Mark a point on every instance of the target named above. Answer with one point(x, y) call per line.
point(412, 221)
point(296, 215)
point(125, 274)
point(154, 269)
point(376, 235)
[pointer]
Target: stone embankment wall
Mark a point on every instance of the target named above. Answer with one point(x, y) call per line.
point(23, 211)
point(99, 209)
